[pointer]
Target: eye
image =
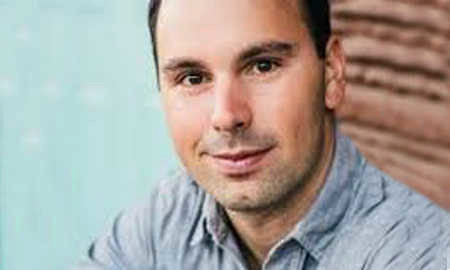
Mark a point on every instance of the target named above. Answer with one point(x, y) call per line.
point(192, 79)
point(262, 66)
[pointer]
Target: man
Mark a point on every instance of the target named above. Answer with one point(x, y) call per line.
point(269, 182)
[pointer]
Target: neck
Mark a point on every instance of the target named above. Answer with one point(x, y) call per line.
point(259, 231)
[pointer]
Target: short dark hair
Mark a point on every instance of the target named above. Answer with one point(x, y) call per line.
point(317, 19)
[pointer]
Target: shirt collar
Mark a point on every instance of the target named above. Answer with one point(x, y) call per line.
point(211, 223)
point(328, 214)
point(333, 207)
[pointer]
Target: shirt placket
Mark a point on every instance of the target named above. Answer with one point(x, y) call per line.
point(287, 256)
point(225, 240)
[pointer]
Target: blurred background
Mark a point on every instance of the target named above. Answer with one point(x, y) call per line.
point(397, 106)
point(82, 133)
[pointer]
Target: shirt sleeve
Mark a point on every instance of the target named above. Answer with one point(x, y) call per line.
point(127, 245)
point(142, 237)
point(416, 246)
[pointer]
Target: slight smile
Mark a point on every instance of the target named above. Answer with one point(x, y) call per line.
point(241, 162)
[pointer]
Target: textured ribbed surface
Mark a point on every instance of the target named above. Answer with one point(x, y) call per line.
point(397, 106)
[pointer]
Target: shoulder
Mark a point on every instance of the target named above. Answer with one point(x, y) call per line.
point(412, 233)
point(140, 233)
point(399, 205)
point(172, 207)
point(402, 230)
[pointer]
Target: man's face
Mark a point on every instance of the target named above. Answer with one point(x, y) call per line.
point(242, 88)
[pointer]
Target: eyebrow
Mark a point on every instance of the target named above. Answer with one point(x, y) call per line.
point(267, 47)
point(183, 63)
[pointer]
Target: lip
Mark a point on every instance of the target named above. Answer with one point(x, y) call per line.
point(241, 162)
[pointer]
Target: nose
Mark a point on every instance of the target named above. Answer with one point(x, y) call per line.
point(231, 111)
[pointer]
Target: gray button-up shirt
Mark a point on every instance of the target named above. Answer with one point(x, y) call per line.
point(362, 219)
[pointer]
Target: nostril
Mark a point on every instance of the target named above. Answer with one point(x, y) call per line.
point(239, 125)
point(232, 127)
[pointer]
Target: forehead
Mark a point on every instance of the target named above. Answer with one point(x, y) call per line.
point(233, 5)
point(226, 24)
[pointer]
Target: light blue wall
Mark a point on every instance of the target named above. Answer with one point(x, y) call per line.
point(81, 131)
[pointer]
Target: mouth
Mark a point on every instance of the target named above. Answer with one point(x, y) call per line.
point(241, 162)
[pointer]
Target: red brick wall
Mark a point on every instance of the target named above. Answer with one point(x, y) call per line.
point(397, 106)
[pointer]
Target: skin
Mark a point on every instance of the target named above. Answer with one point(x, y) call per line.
point(230, 81)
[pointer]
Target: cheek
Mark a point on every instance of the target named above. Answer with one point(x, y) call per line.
point(187, 121)
point(293, 123)
point(290, 106)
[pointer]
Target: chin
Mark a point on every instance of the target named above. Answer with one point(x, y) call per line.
point(244, 205)
point(247, 198)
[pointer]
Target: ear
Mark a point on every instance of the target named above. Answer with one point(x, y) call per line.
point(334, 73)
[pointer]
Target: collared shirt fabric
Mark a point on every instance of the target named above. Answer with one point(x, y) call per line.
point(362, 219)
